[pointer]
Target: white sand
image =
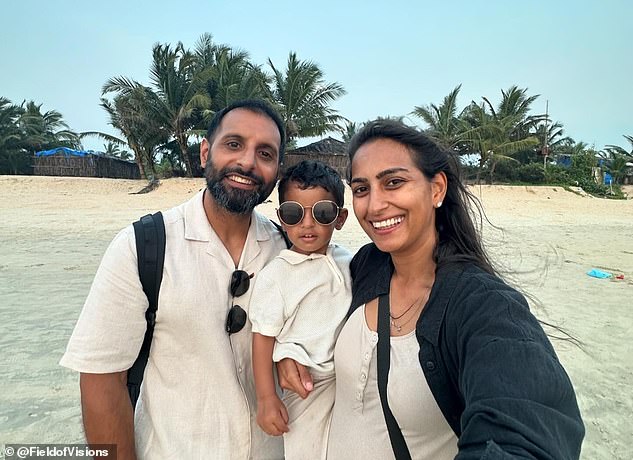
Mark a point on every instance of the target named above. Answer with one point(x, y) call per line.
point(53, 232)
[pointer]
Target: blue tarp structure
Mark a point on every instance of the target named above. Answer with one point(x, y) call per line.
point(66, 151)
point(64, 161)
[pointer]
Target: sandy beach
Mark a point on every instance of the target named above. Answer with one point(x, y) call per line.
point(53, 232)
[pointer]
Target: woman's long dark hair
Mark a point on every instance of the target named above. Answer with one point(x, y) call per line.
point(458, 239)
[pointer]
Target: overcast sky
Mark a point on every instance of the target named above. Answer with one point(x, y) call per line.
point(390, 56)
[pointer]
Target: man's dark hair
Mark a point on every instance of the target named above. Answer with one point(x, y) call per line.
point(256, 106)
point(309, 174)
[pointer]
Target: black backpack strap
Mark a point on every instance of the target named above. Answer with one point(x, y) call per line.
point(149, 231)
point(398, 444)
point(283, 234)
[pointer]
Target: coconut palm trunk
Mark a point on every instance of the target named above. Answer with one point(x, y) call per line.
point(184, 153)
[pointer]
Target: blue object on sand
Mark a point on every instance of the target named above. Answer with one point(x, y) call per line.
point(599, 273)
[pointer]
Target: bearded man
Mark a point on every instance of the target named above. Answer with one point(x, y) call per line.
point(197, 399)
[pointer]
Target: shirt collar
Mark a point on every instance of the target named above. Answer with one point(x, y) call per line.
point(197, 225)
point(295, 258)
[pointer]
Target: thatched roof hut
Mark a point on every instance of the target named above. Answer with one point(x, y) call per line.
point(63, 161)
point(329, 150)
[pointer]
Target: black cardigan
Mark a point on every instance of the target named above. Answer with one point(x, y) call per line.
point(488, 363)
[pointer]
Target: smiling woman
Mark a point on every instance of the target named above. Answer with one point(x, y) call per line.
point(393, 199)
point(439, 356)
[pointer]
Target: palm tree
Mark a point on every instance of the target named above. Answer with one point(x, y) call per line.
point(515, 108)
point(446, 127)
point(111, 149)
point(552, 135)
point(114, 150)
point(501, 132)
point(179, 93)
point(132, 114)
point(12, 155)
point(552, 141)
point(493, 137)
point(9, 131)
point(570, 147)
point(186, 89)
point(618, 160)
point(350, 129)
point(227, 73)
point(25, 129)
point(617, 166)
point(303, 98)
point(42, 131)
point(619, 150)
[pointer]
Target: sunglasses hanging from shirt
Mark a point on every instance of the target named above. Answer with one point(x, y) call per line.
point(324, 212)
point(236, 318)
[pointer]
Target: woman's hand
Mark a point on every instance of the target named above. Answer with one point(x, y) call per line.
point(272, 416)
point(295, 377)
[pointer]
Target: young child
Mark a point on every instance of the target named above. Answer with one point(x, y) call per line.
point(298, 307)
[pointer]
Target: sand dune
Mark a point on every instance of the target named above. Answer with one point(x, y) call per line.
point(53, 232)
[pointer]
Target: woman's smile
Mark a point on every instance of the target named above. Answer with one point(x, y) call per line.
point(387, 224)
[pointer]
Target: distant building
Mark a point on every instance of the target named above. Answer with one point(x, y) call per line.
point(329, 150)
point(63, 161)
point(628, 177)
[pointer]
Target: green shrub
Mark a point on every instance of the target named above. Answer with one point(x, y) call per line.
point(505, 171)
point(555, 174)
point(531, 173)
point(581, 166)
point(16, 162)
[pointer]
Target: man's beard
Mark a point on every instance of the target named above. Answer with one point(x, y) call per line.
point(234, 200)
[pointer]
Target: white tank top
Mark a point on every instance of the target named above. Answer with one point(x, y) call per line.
point(358, 429)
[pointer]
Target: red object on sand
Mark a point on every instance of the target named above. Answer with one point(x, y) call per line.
point(619, 277)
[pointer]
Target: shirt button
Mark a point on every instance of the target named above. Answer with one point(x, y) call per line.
point(430, 365)
point(239, 369)
point(359, 396)
point(363, 377)
point(366, 356)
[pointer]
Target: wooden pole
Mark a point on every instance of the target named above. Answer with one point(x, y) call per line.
point(545, 147)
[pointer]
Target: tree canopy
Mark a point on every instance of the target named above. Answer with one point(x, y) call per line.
point(25, 129)
point(188, 86)
point(161, 121)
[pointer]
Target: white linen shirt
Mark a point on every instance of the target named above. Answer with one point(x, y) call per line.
point(302, 301)
point(198, 397)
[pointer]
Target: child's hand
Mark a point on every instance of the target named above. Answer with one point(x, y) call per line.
point(272, 416)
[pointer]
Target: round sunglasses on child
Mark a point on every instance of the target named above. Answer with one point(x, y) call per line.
point(324, 212)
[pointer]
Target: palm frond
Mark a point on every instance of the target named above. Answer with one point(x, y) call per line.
point(104, 136)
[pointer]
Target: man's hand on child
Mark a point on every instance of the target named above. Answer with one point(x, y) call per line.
point(272, 416)
point(295, 377)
